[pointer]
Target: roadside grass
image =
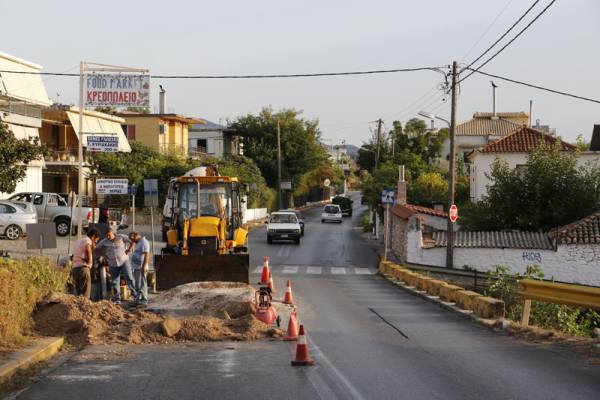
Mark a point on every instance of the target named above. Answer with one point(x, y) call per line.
point(22, 284)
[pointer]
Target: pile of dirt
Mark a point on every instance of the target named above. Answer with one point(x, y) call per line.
point(84, 322)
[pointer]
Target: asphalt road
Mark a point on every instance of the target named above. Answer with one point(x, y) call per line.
point(370, 340)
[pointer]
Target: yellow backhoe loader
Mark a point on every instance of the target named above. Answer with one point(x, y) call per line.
point(204, 231)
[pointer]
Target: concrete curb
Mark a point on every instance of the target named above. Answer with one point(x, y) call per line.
point(488, 323)
point(41, 350)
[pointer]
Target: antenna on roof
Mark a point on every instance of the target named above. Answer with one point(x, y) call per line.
point(494, 86)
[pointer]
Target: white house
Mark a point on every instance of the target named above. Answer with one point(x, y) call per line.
point(481, 129)
point(22, 97)
point(213, 139)
point(514, 149)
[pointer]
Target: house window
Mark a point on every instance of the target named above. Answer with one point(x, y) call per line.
point(521, 169)
point(202, 143)
point(161, 129)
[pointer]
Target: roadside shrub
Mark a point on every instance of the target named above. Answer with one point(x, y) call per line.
point(365, 222)
point(22, 285)
point(571, 320)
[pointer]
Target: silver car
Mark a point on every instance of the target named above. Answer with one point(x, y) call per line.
point(14, 217)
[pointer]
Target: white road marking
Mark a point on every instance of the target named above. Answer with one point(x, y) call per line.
point(258, 269)
point(289, 270)
point(314, 270)
point(363, 271)
point(338, 270)
point(80, 378)
point(344, 382)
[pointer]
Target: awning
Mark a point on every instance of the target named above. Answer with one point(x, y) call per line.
point(26, 87)
point(23, 132)
point(99, 126)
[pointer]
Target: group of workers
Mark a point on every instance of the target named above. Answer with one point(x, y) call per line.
point(114, 250)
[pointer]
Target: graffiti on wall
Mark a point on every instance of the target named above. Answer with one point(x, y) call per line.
point(532, 256)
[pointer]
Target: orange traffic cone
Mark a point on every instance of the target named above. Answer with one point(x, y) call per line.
point(271, 285)
point(264, 278)
point(287, 297)
point(292, 330)
point(302, 357)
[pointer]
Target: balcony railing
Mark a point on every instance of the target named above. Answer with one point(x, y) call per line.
point(68, 156)
point(21, 109)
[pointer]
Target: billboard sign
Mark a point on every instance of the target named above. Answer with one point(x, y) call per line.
point(112, 186)
point(117, 90)
point(286, 185)
point(103, 143)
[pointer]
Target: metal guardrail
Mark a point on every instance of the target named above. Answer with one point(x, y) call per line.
point(557, 293)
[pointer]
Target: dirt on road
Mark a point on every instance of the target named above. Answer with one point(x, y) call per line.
point(215, 311)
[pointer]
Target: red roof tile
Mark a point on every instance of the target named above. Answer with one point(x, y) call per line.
point(405, 211)
point(523, 140)
point(584, 231)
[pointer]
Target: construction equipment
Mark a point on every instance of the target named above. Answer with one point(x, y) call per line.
point(206, 238)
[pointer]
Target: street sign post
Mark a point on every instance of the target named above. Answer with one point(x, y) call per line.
point(326, 182)
point(453, 213)
point(286, 185)
point(41, 236)
point(112, 186)
point(132, 191)
point(388, 198)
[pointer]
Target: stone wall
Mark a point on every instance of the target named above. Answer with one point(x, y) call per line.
point(398, 231)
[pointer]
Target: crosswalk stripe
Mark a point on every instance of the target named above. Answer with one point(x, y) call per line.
point(314, 270)
point(258, 269)
point(338, 270)
point(363, 271)
point(289, 270)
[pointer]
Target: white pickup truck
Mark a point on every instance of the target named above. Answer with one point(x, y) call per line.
point(51, 207)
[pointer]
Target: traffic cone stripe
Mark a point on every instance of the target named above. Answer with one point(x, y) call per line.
point(302, 357)
point(287, 298)
point(302, 340)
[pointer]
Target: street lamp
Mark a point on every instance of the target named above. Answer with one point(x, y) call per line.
point(432, 117)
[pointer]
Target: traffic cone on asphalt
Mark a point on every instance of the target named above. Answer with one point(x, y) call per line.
point(264, 278)
point(292, 330)
point(271, 285)
point(302, 357)
point(287, 297)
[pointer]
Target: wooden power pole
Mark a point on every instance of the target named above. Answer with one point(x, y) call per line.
point(452, 168)
point(379, 123)
point(279, 191)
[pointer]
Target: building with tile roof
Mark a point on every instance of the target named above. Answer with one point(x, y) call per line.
point(513, 148)
point(583, 231)
point(483, 128)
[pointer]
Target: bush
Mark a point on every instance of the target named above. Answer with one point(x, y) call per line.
point(22, 285)
point(365, 222)
point(572, 320)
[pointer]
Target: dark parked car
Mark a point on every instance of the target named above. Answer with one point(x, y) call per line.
point(345, 204)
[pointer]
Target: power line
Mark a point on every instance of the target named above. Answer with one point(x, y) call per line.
point(260, 76)
point(504, 34)
point(534, 86)
point(488, 29)
point(510, 41)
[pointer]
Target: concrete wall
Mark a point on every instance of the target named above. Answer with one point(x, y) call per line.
point(253, 214)
point(571, 263)
point(463, 143)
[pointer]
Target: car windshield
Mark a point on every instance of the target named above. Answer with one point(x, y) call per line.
point(331, 209)
point(283, 218)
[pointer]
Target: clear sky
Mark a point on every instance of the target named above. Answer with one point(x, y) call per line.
point(561, 50)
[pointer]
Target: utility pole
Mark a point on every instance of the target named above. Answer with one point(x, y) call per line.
point(452, 172)
point(379, 123)
point(279, 165)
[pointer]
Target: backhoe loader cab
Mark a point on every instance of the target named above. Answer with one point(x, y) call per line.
point(206, 240)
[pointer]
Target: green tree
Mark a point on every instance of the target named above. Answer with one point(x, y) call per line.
point(15, 154)
point(550, 191)
point(428, 189)
point(300, 143)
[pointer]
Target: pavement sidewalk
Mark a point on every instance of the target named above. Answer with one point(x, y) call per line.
point(40, 350)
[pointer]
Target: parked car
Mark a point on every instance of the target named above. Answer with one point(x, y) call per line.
point(51, 207)
point(14, 217)
point(331, 212)
point(283, 225)
point(300, 219)
point(345, 204)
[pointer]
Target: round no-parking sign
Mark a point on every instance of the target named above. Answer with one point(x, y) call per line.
point(453, 213)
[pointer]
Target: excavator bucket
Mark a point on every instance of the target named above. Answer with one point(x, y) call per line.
point(174, 270)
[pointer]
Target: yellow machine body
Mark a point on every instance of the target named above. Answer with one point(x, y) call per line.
point(207, 240)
